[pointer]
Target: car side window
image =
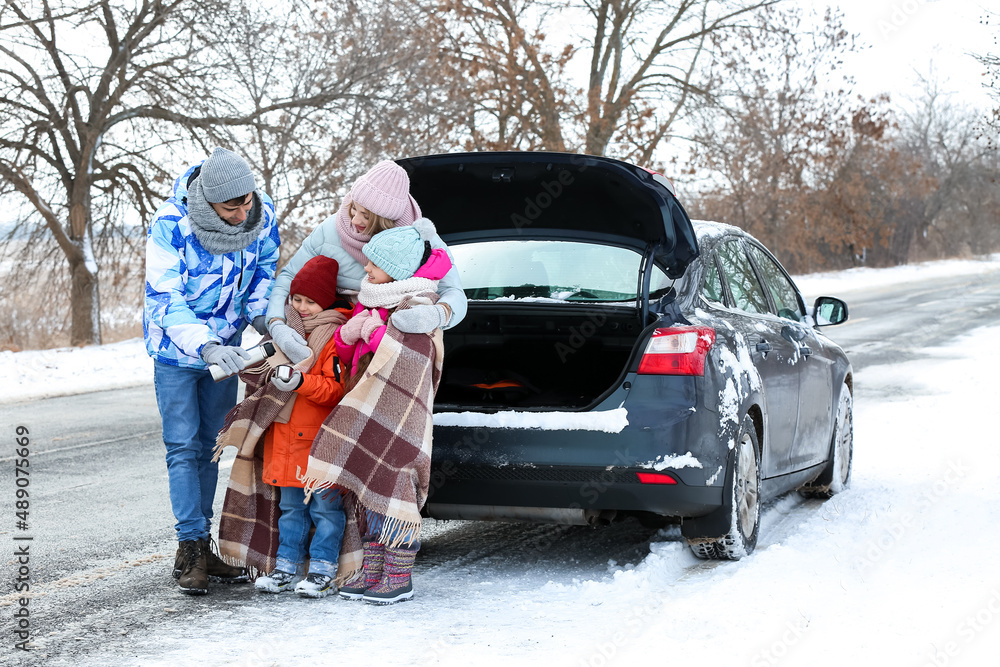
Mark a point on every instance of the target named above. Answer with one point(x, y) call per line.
point(782, 291)
point(712, 287)
point(740, 276)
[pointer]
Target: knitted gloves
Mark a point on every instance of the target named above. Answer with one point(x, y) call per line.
point(259, 324)
point(289, 341)
point(229, 358)
point(420, 319)
point(360, 326)
point(291, 384)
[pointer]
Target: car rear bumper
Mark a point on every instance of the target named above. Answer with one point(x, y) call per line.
point(477, 465)
point(499, 492)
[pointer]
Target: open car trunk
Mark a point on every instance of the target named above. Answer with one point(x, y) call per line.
point(559, 255)
point(557, 357)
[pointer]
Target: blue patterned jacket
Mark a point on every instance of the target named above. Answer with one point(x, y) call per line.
point(193, 297)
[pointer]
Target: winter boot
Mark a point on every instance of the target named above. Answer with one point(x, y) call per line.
point(178, 562)
point(315, 586)
point(193, 578)
point(219, 570)
point(276, 582)
point(395, 585)
point(370, 575)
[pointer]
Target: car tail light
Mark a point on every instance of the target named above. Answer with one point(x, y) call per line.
point(655, 478)
point(677, 351)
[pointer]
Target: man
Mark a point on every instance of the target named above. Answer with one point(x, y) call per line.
point(211, 253)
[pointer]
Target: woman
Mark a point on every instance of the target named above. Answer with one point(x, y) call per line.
point(379, 200)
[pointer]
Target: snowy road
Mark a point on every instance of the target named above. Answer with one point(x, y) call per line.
point(897, 570)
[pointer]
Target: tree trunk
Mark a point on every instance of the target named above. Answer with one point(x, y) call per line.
point(85, 304)
point(598, 136)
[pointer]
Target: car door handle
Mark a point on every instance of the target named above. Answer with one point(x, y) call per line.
point(805, 350)
point(763, 346)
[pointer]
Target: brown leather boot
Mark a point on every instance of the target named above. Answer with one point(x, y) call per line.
point(193, 579)
point(219, 570)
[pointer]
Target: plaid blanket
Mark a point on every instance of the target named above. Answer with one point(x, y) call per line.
point(376, 443)
point(248, 527)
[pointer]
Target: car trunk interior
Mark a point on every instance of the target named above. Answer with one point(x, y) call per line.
point(554, 356)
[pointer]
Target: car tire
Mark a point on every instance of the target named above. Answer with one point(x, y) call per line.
point(743, 496)
point(836, 476)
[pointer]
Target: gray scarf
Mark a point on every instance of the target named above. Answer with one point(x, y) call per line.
point(213, 233)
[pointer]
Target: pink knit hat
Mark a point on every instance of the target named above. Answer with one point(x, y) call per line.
point(384, 190)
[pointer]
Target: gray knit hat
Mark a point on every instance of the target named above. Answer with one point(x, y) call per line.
point(400, 251)
point(225, 175)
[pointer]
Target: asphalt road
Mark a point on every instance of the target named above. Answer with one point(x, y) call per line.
point(102, 538)
point(894, 323)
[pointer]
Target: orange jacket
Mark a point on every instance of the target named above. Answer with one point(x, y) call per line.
point(286, 446)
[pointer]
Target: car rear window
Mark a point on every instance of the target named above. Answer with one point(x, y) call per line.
point(555, 270)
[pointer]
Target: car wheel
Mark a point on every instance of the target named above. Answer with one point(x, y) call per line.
point(743, 489)
point(836, 476)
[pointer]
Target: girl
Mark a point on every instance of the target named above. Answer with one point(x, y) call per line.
point(377, 442)
point(378, 201)
point(292, 411)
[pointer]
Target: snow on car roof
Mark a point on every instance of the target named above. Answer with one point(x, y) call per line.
point(712, 229)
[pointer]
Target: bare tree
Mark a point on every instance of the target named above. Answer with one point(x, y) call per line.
point(958, 214)
point(827, 179)
point(991, 61)
point(383, 100)
point(97, 99)
point(644, 62)
point(790, 156)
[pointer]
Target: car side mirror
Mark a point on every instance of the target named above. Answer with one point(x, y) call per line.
point(829, 310)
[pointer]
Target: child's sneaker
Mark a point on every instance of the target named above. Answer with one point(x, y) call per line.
point(315, 586)
point(276, 582)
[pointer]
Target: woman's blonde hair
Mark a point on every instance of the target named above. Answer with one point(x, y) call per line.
point(376, 223)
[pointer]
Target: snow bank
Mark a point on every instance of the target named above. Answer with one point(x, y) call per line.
point(852, 280)
point(63, 371)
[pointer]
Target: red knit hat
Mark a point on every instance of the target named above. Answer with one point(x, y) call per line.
point(317, 280)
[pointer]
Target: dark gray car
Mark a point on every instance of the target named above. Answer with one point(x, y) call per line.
point(618, 359)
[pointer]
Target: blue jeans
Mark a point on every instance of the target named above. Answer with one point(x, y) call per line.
point(193, 408)
point(375, 522)
point(325, 511)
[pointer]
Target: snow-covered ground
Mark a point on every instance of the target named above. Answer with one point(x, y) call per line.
point(897, 570)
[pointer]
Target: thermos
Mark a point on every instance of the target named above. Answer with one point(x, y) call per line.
point(257, 355)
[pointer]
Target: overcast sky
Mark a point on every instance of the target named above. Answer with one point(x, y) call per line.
point(904, 36)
